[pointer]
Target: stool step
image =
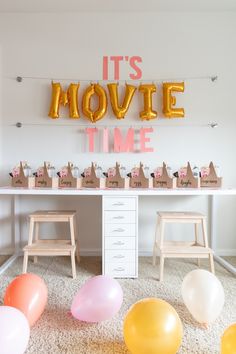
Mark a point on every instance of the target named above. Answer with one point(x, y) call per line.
point(180, 244)
point(191, 250)
point(173, 249)
point(180, 215)
point(52, 216)
point(50, 246)
point(55, 246)
point(53, 212)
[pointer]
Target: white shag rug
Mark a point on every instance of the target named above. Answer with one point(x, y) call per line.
point(57, 332)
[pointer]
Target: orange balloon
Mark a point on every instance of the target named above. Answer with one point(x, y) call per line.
point(28, 293)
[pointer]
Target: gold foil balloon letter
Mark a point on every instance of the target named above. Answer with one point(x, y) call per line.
point(118, 110)
point(94, 89)
point(55, 100)
point(148, 112)
point(69, 97)
point(72, 95)
point(169, 101)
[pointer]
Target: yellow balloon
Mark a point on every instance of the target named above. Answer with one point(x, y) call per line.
point(148, 112)
point(228, 340)
point(169, 101)
point(120, 110)
point(93, 89)
point(69, 97)
point(152, 326)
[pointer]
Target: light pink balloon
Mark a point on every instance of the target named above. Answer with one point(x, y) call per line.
point(99, 299)
point(14, 331)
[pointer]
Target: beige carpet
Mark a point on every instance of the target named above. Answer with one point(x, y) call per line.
point(57, 332)
point(3, 259)
point(231, 260)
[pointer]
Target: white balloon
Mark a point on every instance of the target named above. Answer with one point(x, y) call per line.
point(14, 331)
point(203, 295)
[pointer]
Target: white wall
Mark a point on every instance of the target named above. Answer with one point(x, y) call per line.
point(172, 45)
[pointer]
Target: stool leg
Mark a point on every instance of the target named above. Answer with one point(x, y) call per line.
point(36, 238)
point(212, 267)
point(77, 251)
point(30, 240)
point(155, 242)
point(25, 262)
point(72, 232)
point(204, 232)
point(31, 231)
point(72, 236)
point(196, 240)
point(162, 260)
point(73, 264)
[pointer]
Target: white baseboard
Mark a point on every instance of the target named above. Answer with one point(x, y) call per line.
point(142, 253)
point(91, 252)
point(6, 251)
point(225, 252)
point(218, 252)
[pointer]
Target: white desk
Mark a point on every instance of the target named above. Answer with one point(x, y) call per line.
point(211, 193)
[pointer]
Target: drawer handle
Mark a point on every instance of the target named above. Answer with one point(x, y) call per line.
point(119, 230)
point(119, 217)
point(119, 269)
point(119, 256)
point(118, 204)
point(118, 243)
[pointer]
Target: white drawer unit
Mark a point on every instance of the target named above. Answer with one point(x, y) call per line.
point(120, 270)
point(127, 256)
point(120, 236)
point(119, 203)
point(123, 243)
point(119, 230)
point(120, 217)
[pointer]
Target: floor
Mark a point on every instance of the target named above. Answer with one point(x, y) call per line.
point(231, 260)
point(3, 259)
point(57, 332)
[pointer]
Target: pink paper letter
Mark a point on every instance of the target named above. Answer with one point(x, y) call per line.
point(144, 140)
point(134, 66)
point(116, 60)
point(119, 145)
point(105, 140)
point(90, 132)
point(105, 68)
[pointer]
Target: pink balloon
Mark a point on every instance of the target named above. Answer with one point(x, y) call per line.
point(14, 331)
point(99, 299)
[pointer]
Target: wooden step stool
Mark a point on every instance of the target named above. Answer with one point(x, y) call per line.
point(50, 247)
point(177, 249)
